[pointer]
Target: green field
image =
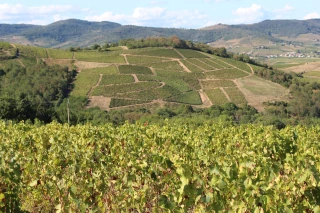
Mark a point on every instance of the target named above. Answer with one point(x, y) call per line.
point(111, 91)
point(191, 97)
point(200, 64)
point(143, 59)
point(236, 96)
point(212, 84)
point(31, 51)
point(116, 79)
point(191, 53)
point(216, 96)
point(153, 93)
point(59, 54)
point(111, 70)
point(192, 67)
point(226, 74)
point(160, 52)
point(131, 69)
point(84, 82)
point(100, 57)
point(168, 65)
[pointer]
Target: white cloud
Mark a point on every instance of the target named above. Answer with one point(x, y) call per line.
point(312, 16)
point(251, 14)
point(155, 17)
point(18, 13)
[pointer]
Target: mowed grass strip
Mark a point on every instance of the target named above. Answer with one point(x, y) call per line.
point(143, 59)
point(37, 52)
point(83, 83)
point(191, 53)
point(226, 74)
point(131, 69)
point(111, 70)
point(212, 84)
point(118, 102)
point(211, 63)
point(116, 79)
point(236, 96)
point(161, 52)
point(191, 97)
point(216, 96)
point(154, 94)
point(60, 54)
point(201, 64)
point(190, 78)
point(100, 57)
point(168, 65)
point(112, 90)
point(192, 67)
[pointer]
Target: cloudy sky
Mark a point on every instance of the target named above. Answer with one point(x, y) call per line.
point(157, 13)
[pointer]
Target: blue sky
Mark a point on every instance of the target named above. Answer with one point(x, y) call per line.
point(158, 13)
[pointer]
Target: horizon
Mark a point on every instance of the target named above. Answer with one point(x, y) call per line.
point(157, 13)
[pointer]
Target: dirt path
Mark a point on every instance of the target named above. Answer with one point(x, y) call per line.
point(98, 83)
point(183, 66)
point(124, 47)
point(125, 58)
point(225, 93)
point(136, 80)
point(48, 55)
point(179, 53)
point(213, 68)
point(205, 100)
point(99, 101)
point(22, 64)
point(153, 71)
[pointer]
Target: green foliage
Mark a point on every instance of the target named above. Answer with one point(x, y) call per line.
point(162, 92)
point(191, 53)
point(130, 69)
point(163, 168)
point(110, 70)
point(211, 62)
point(102, 57)
point(112, 90)
point(226, 74)
point(173, 66)
point(212, 84)
point(30, 51)
point(143, 59)
point(216, 96)
point(236, 96)
point(116, 79)
point(200, 64)
point(59, 54)
point(191, 97)
point(83, 83)
point(5, 46)
point(192, 67)
point(160, 52)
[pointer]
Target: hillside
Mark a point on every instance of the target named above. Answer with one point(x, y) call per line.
point(84, 33)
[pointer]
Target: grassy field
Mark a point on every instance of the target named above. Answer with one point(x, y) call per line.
point(143, 59)
point(200, 64)
point(31, 51)
point(212, 84)
point(191, 97)
point(192, 67)
point(191, 53)
point(226, 74)
point(216, 96)
point(130, 69)
point(59, 54)
point(110, 70)
point(112, 90)
point(100, 57)
point(84, 82)
point(160, 52)
point(118, 102)
point(236, 96)
point(116, 79)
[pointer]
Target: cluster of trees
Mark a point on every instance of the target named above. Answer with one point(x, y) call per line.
point(96, 47)
point(174, 42)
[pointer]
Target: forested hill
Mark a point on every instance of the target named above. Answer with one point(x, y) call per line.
point(74, 32)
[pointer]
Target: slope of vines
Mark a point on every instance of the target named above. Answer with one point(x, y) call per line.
point(152, 168)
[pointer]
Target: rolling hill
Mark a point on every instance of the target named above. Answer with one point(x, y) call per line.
point(74, 32)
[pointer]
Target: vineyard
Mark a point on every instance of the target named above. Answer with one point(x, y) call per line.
point(153, 74)
point(159, 168)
